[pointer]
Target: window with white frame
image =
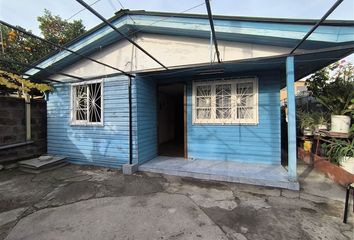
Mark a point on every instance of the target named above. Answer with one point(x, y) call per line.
point(233, 101)
point(87, 103)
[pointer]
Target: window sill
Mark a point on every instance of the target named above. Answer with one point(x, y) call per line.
point(87, 124)
point(15, 145)
point(226, 124)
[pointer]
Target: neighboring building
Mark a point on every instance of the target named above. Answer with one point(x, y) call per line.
point(300, 89)
point(197, 109)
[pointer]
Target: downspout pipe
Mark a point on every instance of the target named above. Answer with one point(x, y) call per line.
point(27, 99)
point(210, 16)
point(211, 47)
point(130, 121)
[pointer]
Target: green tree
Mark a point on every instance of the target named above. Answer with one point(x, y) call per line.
point(333, 87)
point(19, 47)
point(57, 30)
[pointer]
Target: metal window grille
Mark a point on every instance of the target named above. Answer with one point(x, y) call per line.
point(231, 101)
point(87, 103)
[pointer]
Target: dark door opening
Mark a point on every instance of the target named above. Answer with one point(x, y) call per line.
point(171, 120)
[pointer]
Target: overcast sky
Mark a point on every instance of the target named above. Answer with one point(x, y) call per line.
point(25, 12)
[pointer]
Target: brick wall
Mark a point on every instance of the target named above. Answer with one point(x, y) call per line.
point(13, 129)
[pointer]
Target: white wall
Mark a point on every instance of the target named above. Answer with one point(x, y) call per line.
point(170, 50)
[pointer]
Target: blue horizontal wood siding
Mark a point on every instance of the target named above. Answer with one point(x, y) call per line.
point(245, 143)
point(106, 145)
point(146, 118)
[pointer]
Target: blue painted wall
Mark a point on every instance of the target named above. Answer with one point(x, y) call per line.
point(106, 145)
point(147, 118)
point(244, 143)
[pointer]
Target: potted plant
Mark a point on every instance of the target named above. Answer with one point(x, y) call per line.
point(333, 88)
point(321, 122)
point(341, 152)
point(352, 127)
point(339, 107)
point(306, 122)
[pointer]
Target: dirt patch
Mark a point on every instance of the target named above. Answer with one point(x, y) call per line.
point(234, 219)
point(20, 191)
point(334, 210)
point(309, 210)
point(203, 183)
point(264, 224)
point(69, 193)
point(132, 185)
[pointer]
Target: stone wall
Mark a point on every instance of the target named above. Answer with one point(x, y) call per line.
point(13, 145)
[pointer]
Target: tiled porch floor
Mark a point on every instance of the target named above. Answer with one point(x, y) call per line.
point(257, 174)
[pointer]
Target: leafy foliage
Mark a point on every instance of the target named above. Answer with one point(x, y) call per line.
point(57, 30)
point(352, 127)
point(339, 148)
point(18, 47)
point(309, 120)
point(305, 119)
point(320, 118)
point(333, 87)
point(15, 82)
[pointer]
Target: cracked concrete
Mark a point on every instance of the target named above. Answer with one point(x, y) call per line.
point(205, 196)
point(103, 218)
point(82, 202)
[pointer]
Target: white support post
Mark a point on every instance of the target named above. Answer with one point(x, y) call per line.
point(211, 47)
point(28, 116)
point(27, 98)
point(290, 79)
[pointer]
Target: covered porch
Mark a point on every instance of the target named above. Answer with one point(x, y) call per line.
point(270, 173)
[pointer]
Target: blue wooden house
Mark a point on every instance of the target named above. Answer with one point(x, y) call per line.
point(198, 117)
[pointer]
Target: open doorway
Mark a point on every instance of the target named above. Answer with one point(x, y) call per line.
point(171, 120)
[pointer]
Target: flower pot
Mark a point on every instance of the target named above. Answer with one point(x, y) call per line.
point(307, 145)
point(340, 123)
point(347, 163)
point(307, 131)
point(321, 127)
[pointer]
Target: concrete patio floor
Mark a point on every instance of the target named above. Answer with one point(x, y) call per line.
point(82, 202)
point(270, 175)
